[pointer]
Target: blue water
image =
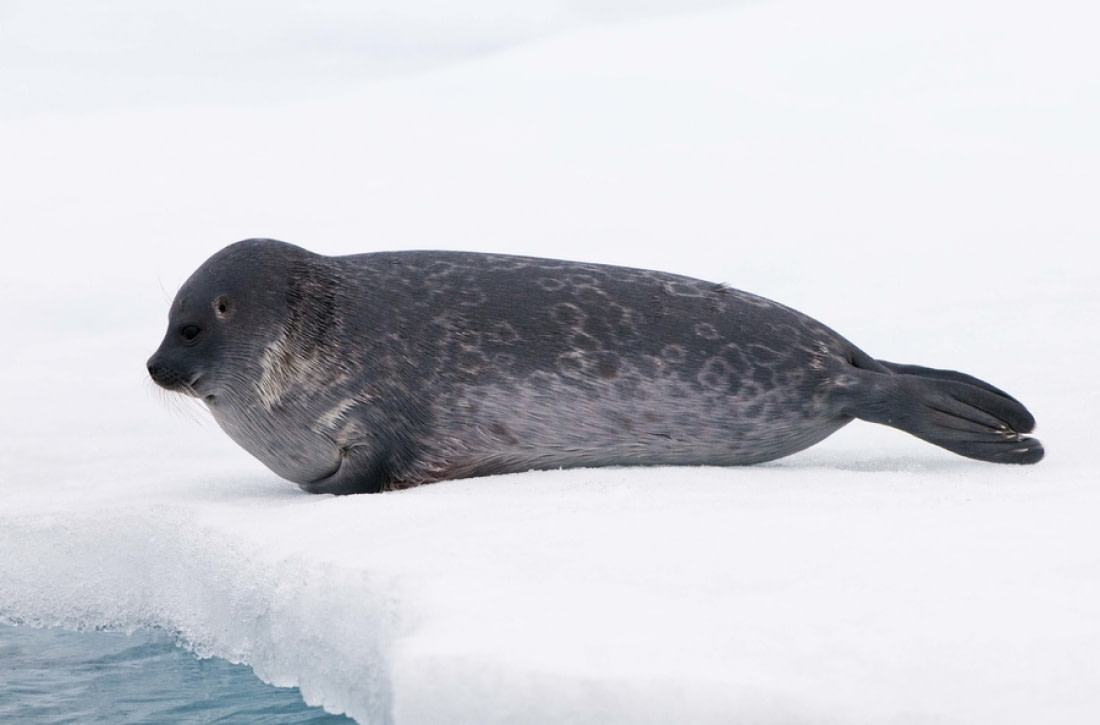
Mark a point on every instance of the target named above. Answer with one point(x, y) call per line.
point(57, 676)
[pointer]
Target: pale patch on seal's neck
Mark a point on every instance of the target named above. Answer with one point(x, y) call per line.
point(281, 368)
point(302, 353)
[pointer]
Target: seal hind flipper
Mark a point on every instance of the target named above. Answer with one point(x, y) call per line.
point(958, 377)
point(952, 410)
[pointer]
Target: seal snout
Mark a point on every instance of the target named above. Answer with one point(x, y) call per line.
point(166, 376)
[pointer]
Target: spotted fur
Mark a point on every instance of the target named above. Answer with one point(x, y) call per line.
point(380, 371)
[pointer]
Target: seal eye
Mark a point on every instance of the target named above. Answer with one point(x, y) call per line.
point(190, 332)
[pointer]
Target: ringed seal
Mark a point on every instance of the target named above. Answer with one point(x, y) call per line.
point(371, 372)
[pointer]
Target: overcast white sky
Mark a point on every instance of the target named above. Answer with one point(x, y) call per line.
point(66, 55)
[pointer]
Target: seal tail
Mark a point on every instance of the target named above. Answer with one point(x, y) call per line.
point(952, 410)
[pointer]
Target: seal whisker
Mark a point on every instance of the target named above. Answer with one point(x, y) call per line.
point(181, 406)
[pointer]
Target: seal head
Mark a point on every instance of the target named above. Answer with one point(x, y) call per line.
point(243, 339)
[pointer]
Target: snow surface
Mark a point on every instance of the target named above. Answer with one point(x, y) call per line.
point(920, 176)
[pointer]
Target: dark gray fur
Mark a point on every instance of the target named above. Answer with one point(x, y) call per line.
point(380, 371)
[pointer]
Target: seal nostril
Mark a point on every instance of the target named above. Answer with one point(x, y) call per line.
point(164, 376)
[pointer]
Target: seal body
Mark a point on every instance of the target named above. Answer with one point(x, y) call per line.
point(377, 371)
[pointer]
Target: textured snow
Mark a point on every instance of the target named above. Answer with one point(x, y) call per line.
point(921, 177)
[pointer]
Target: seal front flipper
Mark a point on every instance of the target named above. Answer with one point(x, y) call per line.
point(949, 409)
point(361, 470)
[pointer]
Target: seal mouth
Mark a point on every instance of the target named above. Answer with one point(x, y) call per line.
point(173, 381)
point(189, 386)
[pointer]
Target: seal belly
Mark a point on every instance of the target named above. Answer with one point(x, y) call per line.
point(549, 422)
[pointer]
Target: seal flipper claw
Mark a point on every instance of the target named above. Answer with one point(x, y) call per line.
point(952, 410)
